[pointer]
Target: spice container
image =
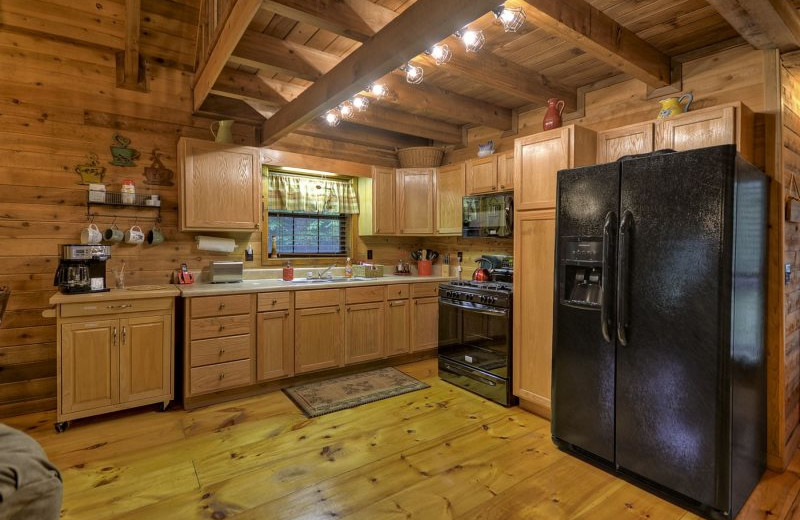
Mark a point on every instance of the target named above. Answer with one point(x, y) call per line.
point(128, 191)
point(288, 272)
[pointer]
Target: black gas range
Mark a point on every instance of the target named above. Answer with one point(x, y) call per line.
point(475, 337)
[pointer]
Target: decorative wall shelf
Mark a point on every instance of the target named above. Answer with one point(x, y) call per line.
point(115, 199)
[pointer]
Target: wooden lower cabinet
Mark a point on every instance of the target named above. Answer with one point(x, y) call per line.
point(319, 338)
point(397, 327)
point(364, 324)
point(274, 345)
point(424, 323)
point(534, 248)
point(109, 362)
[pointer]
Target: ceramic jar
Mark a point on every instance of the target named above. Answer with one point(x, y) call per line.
point(552, 118)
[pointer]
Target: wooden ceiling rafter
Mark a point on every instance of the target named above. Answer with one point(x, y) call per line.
point(130, 66)
point(765, 24)
point(420, 26)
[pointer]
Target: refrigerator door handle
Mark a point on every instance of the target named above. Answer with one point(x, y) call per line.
point(606, 301)
point(622, 277)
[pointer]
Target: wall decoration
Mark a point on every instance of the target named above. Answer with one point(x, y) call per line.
point(156, 174)
point(121, 153)
point(91, 172)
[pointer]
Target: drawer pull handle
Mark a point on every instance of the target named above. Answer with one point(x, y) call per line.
point(221, 305)
point(221, 351)
point(502, 186)
point(222, 327)
point(123, 306)
point(221, 376)
point(274, 302)
point(494, 187)
point(124, 334)
point(115, 335)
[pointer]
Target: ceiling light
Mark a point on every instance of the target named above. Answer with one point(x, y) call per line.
point(441, 53)
point(473, 40)
point(360, 103)
point(332, 117)
point(378, 90)
point(346, 110)
point(413, 73)
point(512, 18)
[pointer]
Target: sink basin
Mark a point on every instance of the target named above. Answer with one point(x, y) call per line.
point(319, 280)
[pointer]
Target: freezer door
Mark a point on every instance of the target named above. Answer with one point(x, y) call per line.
point(583, 360)
point(670, 400)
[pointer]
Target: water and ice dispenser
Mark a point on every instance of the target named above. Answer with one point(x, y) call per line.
point(581, 271)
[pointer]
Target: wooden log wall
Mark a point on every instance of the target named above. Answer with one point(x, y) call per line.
point(58, 103)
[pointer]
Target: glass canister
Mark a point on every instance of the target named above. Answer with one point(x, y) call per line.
point(128, 191)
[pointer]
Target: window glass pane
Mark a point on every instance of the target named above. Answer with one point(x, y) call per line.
point(304, 234)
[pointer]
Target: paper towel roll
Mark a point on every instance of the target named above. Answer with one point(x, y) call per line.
point(223, 245)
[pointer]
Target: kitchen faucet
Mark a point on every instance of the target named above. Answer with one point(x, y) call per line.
point(321, 274)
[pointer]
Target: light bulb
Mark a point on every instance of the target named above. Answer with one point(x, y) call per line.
point(413, 73)
point(473, 40)
point(378, 90)
point(512, 18)
point(332, 117)
point(346, 110)
point(360, 103)
point(441, 53)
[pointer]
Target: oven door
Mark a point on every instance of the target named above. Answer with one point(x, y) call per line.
point(476, 337)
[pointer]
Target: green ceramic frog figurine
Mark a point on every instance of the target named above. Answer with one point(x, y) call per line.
point(672, 106)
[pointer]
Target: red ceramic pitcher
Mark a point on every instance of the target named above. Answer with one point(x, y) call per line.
point(552, 118)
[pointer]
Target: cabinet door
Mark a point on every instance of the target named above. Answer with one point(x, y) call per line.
point(534, 248)
point(424, 324)
point(450, 181)
point(384, 206)
point(275, 351)
point(318, 338)
point(89, 365)
point(505, 172)
point(698, 129)
point(415, 188)
point(220, 186)
point(397, 327)
point(145, 365)
point(363, 332)
point(628, 140)
point(482, 175)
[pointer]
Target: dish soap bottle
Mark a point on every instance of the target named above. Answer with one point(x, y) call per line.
point(348, 268)
point(288, 272)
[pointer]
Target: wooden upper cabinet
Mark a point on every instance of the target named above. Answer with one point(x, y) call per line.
point(725, 124)
point(415, 198)
point(482, 175)
point(627, 140)
point(377, 203)
point(538, 157)
point(450, 182)
point(220, 186)
point(505, 172)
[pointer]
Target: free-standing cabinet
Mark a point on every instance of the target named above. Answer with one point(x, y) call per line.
point(220, 186)
point(112, 354)
point(450, 181)
point(538, 157)
point(415, 200)
point(534, 243)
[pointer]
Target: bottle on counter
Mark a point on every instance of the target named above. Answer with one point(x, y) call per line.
point(348, 268)
point(273, 252)
point(128, 191)
point(288, 272)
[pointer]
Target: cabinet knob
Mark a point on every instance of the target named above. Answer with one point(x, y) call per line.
point(274, 302)
point(221, 305)
point(222, 327)
point(221, 376)
point(502, 186)
point(494, 187)
point(221, 351)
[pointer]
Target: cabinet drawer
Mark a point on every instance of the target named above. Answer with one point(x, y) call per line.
point(274, 301)
point(219, 376)
point(220, 350)
point(316, 298)
point(421, 290)
point(373, 293)
point(69, 310)
point(223, 326)
point(397, 291)
point(220, 305)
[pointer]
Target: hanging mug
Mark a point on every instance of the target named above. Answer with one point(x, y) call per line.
point(672, 106)
point(155, 236)
point(113, 235)
point(91, 235)
point(552, 118)
point(223, 133)
point(134, 235)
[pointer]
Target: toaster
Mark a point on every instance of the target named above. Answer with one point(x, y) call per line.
point(225, 272)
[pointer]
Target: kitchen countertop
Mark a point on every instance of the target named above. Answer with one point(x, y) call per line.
point(131, 293)
point(272, 284)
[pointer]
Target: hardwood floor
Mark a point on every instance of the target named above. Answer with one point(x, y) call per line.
point(432, 454)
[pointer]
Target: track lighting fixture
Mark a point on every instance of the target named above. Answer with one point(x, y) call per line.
point(441, 53)
point(346, 110)
point(378, 90)
point(512, 18)
point(332, 117)
point(360, 103)
point(413, 73)
point(473, 40)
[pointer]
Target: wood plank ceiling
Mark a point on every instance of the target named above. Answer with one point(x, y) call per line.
point(289, 46)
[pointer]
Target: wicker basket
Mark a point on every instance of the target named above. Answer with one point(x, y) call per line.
point(420, 157)
point(368, 271)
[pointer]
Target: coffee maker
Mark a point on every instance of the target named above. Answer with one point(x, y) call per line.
point(82, 268)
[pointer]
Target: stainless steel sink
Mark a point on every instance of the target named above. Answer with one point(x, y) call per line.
point(319, 280)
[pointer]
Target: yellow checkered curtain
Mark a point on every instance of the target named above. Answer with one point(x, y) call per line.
point(288, 192)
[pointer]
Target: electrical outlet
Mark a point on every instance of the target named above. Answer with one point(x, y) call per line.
point(787, 274)
point(369, 254)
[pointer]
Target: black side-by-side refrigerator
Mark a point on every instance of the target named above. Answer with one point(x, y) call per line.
point(658, 344)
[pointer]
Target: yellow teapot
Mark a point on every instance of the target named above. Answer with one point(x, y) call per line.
point(672, 106)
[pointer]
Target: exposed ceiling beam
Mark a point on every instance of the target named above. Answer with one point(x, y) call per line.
point(268, 92)
point(240, 16)
point(358, 20)
point(420, 26)
point(357, 134)
point(585, 27)
point(322, 147)
point(218, 107)
point(765, 24)
point(130, 70)
point(271, 54)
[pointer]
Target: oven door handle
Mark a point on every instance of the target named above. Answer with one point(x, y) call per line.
point(468, 373)
point(490, 312)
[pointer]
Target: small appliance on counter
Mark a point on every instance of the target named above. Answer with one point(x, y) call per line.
point(82, 268)
point(225, 272)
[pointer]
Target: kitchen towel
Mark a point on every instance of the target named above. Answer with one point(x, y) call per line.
point(222, 245)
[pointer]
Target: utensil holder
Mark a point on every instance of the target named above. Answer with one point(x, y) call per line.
point(424, 267)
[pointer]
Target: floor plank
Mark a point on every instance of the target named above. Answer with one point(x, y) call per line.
point(436, 453)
